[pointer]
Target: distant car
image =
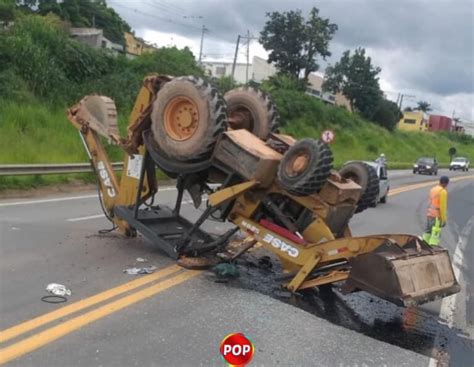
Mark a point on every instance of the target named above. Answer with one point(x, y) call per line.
point(426, 165)
point(384, 186)
point(459, 163)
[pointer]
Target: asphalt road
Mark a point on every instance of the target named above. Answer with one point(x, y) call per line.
point(176, 317)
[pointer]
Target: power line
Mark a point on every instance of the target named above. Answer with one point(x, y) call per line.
point(176, 7)
point(174, 12)
point(158, 17)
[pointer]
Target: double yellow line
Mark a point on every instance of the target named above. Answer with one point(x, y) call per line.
point(174, 275)
point(420, 185)
point(162, 280)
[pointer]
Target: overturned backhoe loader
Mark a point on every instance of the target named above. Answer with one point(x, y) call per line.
point(281, 192)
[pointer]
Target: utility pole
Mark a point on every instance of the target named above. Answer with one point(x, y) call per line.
point(401, 99)
point(248, 56)
point(204, 30)
point(235, 56)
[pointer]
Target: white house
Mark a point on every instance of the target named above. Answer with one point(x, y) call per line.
point(258, 70)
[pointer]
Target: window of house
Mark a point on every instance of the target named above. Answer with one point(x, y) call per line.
point(409, 121)
point(220, 70)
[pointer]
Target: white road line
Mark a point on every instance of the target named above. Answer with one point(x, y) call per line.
point(28, 202)
point(53, 200)
point(102, 215)
point(85, 218)
point(449, 303)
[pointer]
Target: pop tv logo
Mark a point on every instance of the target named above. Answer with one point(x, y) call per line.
point(237, 349)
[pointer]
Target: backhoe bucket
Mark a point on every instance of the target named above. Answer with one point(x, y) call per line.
point(407, 276)
point(100, 114)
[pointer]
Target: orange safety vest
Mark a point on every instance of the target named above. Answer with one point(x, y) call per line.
point(435, 202)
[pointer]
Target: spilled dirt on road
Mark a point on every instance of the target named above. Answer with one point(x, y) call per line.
point(410, 328)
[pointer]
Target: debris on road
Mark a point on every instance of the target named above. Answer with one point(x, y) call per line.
point(226, 271)
point(58, 289)
point(142, 270)
point(141, 260)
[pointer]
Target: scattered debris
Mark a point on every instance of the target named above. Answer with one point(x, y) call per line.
point(226, 271)
point(58, 289)
point(142, 270)
point(141, 260)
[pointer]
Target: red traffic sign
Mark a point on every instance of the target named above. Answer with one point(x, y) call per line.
point(327, 136)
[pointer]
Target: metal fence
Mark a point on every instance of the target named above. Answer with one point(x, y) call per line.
point(49, 169)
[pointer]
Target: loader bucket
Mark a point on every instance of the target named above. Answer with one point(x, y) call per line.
point(407, 276)
point(100, 114)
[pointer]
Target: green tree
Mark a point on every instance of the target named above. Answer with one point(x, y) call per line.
point(294, 43)
point(7, 11)
point(423, 106)
point(356, 77)
point(284, 81)
point(408, 109)
point(387, 114)
point(82, 13)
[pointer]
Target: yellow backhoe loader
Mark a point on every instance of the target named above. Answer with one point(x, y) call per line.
point(280, 192)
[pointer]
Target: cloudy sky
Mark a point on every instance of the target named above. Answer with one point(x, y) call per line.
point(424, 47)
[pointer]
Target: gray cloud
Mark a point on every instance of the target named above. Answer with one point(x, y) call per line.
point(421, 45)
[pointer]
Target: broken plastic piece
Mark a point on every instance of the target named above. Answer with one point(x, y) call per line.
point(58, 289)
point(143, 270)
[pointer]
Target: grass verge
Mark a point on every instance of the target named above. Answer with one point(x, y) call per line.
point(34, 133)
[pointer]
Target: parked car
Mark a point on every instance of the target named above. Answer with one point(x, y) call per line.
point(426, 165)
point(459, 163)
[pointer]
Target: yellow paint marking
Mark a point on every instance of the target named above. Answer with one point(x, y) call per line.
point(32, 324)
point(399, 190)
point(49, 335)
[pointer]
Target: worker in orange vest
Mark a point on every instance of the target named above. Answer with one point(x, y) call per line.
point(436, 215)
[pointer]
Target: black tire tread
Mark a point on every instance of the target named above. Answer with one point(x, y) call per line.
point(273, 115)
point(371, 192)
point(313, 181)
point(217, 113)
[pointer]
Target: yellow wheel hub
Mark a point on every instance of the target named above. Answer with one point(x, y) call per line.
point(297, 165)
point(181, 118)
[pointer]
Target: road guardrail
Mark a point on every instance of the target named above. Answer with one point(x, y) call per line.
point(49, 169)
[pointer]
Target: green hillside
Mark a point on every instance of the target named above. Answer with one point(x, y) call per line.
point(43, 71)
point(356, 138)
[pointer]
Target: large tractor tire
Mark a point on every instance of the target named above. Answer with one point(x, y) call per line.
point(251, 109)
point(188, 116)
point(366, 177)
point(305, 167)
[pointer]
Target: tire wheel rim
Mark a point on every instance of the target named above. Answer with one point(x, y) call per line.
point(181, 118)
point(297, 165)
point(241, 117)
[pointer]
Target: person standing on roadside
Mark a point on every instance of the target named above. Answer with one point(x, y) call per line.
point(436, 215)
point(381, 160)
